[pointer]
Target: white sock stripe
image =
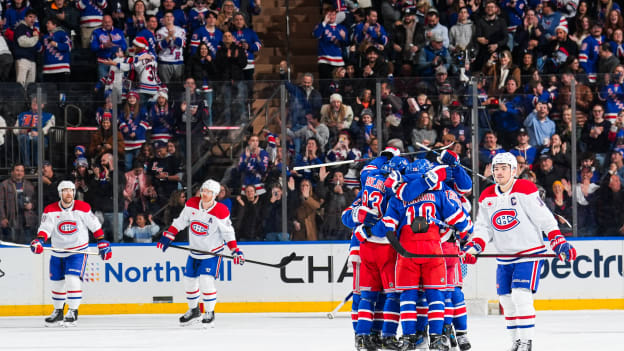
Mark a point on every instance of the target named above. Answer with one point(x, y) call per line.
point(405, 303)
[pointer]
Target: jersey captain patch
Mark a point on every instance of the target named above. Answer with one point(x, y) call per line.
point(67, 227)
point(199, 228)
point(505, 219)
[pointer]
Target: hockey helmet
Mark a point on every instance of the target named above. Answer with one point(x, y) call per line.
point(65, 184)
point(212, 185)
point(505, 158)
point(420, 165)
point(398, 163)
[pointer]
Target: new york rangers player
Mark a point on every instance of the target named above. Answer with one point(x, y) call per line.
point(67, 223)
point(210, 229)
point(513, 216)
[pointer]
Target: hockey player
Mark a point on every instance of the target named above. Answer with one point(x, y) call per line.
point(410, 220)
point(512, 215)
point(67, 223)
point(210, 230)
point(378, 305)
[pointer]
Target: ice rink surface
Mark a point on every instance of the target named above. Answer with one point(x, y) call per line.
point(560, 330)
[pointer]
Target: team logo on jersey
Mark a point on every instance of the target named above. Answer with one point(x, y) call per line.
point(199, 228)
point(67, 227)
point(505, 219)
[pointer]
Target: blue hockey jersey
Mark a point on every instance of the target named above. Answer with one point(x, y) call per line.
point(56, 58)
point(247, 35)
point(589, 56)
point(330, 43)
point(212, 39)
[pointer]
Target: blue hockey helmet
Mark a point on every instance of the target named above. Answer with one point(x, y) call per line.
point(419, 166)
point(397, 163)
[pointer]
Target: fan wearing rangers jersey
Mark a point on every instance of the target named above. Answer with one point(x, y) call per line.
point(512, 216)
point(67, 224)
point(171, 41)
point(210, 229)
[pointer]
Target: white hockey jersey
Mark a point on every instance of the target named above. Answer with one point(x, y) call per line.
point(514, 221)
point(171, 51)
point(69, 228)
point(146, 68)
point(209, 230)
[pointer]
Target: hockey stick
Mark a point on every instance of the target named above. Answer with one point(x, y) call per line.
point(462, 166)
point(331, 314)
point(394, 241)
point(338, 163)
point(7, 243)
point(285, 260)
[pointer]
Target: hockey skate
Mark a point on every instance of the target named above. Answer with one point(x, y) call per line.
point(515, 345)
point(525, 345)
point(462, 341)
point(366, 343)
point(439, 343)
point(448, 331)
point(208, 320)
point(376, 337)
point(71, 318)
point(55, 319)
point(414, 341)
point(390, 343)
point(191, 316)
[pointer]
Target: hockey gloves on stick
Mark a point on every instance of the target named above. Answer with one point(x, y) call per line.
point(562, 248)
point(105, 251)
point(366, 215)
point(362, 233)
point(165, 240)
point(393, 181)
point(468, 254)
point(237, 256)
point(36, 246)
point(435, 177)
point(449, 157)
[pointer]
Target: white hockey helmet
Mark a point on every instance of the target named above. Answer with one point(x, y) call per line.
point(65, 184)
point(505, 158)
point(212, 185)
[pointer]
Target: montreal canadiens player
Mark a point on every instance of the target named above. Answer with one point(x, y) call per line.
point(67, 223)
point(210, 230)
point(512, 216)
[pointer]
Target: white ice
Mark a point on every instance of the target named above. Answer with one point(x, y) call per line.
point(560, 330)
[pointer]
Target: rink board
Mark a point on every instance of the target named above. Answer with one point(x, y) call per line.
point(141, 279)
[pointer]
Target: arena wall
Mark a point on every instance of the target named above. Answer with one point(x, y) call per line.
point(141, 279)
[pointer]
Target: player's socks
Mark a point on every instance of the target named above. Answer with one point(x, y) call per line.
point(193, 314)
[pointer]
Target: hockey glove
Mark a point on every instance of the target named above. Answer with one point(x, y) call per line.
point(362, 233)
point(393, 181)
point(563, 249)
point(105, 251)
point(36, 246)
point(420, 225)
point(449, 157)
point(435, 177)
point(365, 215)
point(238, 257)
point(165, 240)
point(468, 254)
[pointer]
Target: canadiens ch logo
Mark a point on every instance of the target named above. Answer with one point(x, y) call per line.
point(67, 227)
point(199, 228)
point(505, 219)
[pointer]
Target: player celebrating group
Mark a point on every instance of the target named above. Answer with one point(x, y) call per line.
point(67, 224)
point(210, 229)
point(513, 216)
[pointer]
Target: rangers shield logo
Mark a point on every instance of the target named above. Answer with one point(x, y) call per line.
point(199, 228)
point(505, 219)
point(67, 227)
